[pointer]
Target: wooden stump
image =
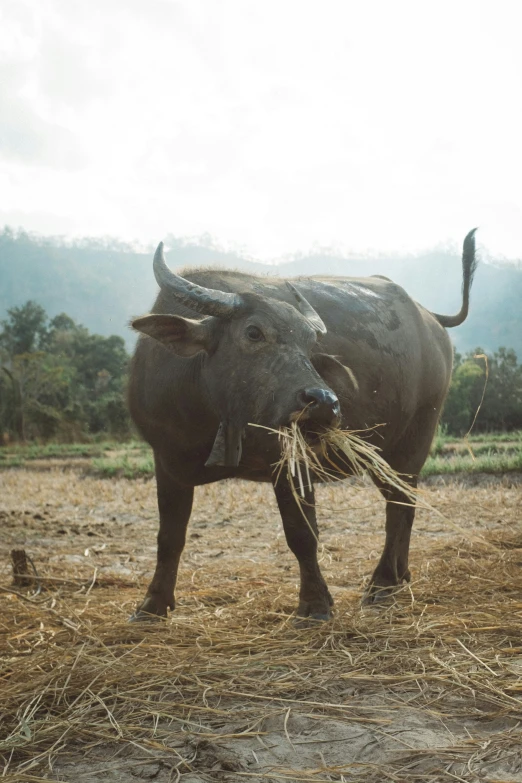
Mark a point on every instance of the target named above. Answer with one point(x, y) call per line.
point(22, 576)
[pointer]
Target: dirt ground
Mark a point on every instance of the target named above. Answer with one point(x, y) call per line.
point(426, 688)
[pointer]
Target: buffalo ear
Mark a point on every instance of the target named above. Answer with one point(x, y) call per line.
point(185, 336)
point(339, 377)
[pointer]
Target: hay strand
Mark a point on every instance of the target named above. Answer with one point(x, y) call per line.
point(335, 455)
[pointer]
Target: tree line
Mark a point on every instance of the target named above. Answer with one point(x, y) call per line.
point(486, 392)
point(58, 381)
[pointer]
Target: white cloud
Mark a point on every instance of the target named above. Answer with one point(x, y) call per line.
point(274, 125)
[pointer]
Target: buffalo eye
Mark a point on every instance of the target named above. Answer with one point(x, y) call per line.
point(255, 334)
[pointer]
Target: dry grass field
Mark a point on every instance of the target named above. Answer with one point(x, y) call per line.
point(426, 688)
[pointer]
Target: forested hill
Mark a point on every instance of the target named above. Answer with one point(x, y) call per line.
point(103, 283)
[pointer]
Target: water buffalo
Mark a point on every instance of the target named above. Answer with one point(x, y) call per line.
point(351, 351)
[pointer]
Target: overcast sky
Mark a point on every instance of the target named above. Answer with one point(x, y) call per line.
point(273, 126)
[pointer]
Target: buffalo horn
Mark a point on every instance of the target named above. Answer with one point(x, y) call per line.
point(206, 301)
point(306, 309)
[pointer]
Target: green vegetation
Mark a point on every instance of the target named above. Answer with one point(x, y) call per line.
point(35, 451)
point(493, 384)
point(491, 453)
point(106, 458)
point(58, 381)
point(125, 465)
point(501, 443)
point(483, 437)
point(490, 461)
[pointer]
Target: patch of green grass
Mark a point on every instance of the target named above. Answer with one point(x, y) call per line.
point(493, 452)
point(51, 450)
point(484, 437)
point(12, 462)
point(107, 458)
point(66, 450)
point(491, 449)
point(486, 463)
point(123, 465)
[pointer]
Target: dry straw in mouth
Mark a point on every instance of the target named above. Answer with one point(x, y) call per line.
point(336, 454)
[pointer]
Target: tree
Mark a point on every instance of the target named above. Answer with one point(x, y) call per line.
point(94, 354)
point(24, 330)
point(59, 380)
point(11, 410)
point(46, 390)
point(464, 395)
point(497, 390)
point(503, 395)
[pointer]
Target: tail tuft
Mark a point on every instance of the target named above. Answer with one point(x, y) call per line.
point(469, 267)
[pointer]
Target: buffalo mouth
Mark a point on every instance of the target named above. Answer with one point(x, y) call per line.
point(311, 429)
point(319, 410)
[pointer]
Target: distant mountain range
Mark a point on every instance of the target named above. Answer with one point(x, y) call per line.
point(103, 283)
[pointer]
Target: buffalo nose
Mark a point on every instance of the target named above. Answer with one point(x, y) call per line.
point(321, 405)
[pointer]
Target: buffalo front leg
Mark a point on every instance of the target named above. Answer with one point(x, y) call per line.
point(175, 505)
point(392, 568)
point(301, 532)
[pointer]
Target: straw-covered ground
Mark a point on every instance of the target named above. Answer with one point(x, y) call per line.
point(427, 688)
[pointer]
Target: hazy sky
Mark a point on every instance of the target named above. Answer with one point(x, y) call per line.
point(274, 126)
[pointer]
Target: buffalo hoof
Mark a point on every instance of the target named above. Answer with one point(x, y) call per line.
point(309, 613)
point(376, 595)
point(151, 610)
point(384, 585)
point(379, 592)
point(312, 620)
point(146, 617)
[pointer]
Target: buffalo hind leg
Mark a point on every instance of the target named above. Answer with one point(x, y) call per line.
point(314, 598)
point(392, 568)
point(407, 459)
point(175, 505)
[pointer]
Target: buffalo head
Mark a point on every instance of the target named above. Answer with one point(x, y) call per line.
point(258, 366)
